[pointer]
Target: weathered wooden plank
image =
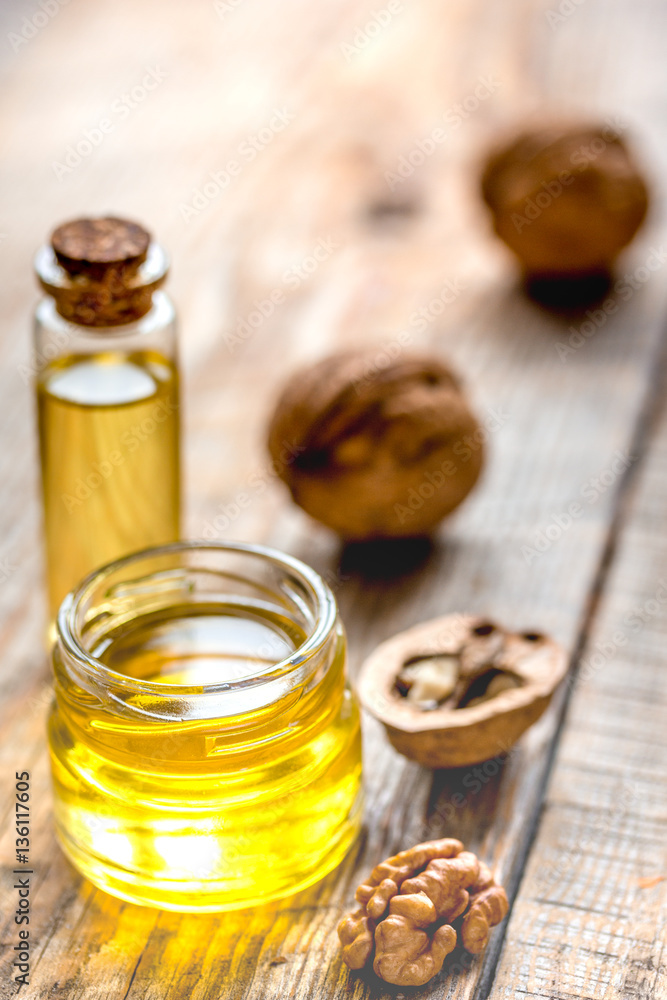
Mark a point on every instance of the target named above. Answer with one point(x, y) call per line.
point(591, 913)
point(554, 426)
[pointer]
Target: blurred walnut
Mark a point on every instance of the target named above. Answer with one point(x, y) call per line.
point(376, 448)
point(565, 199)
point(408, 906)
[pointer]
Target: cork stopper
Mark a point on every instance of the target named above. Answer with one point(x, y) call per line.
point(101, 272)
point(88, 246)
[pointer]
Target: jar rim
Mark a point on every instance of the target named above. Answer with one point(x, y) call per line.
point(325, 607)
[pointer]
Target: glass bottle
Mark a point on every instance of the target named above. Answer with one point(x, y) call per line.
point(107, 398)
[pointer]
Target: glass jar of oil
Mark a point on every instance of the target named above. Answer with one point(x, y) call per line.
point(205, 745)
point(107, 398)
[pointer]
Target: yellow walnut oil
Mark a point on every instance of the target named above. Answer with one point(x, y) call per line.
point(109, 444)
point(197, 813)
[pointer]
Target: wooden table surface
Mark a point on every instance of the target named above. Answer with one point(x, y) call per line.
point(575, 819)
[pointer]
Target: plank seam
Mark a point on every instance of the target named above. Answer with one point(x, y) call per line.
point(645, 423)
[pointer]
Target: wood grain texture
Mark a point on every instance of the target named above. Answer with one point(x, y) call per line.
point(553, 427)
point(590, 916)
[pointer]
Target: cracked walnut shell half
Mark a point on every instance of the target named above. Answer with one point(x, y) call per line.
point(414, 907)
point(565, 199)
point(375, 449)
point(458, 690)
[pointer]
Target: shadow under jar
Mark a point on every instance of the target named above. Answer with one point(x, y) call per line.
point(205, 744)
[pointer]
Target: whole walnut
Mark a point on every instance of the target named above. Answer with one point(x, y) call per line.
point(565, 199)
point(373, 449)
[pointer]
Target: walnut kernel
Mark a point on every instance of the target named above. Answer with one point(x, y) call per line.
point(431, 678)
point(409, 905)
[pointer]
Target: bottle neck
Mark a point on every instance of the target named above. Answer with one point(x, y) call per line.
point(108, 297)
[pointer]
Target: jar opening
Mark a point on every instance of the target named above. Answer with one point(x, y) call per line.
point(255, 619)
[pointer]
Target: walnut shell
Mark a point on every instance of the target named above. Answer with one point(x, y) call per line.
point(449, 735)
point(565, 198)
point(376, 450)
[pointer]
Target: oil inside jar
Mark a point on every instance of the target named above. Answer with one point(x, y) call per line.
point(109, 446)
point(192, 812)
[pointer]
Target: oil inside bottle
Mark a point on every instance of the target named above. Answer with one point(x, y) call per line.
point(194, 812)
point(110, 460)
